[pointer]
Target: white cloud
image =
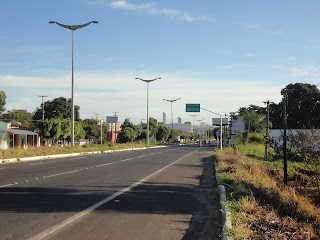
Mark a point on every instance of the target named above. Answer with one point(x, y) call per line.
point(153, 9)
point(107, 93)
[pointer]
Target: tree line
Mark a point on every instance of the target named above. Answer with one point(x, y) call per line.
point(56, 125)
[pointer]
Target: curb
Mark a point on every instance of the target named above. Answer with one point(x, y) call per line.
point(226, 215)
point(70, 154)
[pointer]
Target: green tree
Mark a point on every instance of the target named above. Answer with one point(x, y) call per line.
point(79, 132)
point(22, 116)
point(127, 135)
point(163, 133)
point(2, 101)
point(176, 133)
point(153, 127)
point(50, 128)
point(65, 130)
point(92, 129)
point(57, 108)
point(126, 123)
point(303, 107)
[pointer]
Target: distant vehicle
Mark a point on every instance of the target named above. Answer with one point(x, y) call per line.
point(204, 142)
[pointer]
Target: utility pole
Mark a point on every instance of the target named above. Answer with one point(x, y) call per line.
point(97, 114)
point(115, 128)
point(285, 169)
point(42, 106)
point(267, 132)
point(101, 122)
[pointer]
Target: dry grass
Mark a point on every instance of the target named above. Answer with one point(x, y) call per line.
point(276, 211)
point(43, 151)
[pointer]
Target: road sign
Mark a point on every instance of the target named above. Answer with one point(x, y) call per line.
point(112, 119)
point(217, 133)
point(217, 121)
point(192, 107)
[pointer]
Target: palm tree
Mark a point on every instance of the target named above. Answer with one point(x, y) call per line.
point(254, 122)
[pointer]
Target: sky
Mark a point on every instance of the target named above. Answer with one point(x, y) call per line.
point(222, 55)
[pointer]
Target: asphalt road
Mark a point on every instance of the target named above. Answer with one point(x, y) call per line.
point(57, 198)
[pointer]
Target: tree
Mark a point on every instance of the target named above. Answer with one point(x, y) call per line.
point(127, 135)
point(176, 133)
point(127, 123)
point(306, 141)
point(92, 129)
point(49, 128)
point(153, 127)
point(163, 133)
point(2, 101)
point(65, 130)
point(57, 108)
point(303, 107)
point(79, 132)
point(22, 116)
point(254, 122)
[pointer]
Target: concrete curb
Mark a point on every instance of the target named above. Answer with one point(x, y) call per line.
point(70, 154)
point(226, 215)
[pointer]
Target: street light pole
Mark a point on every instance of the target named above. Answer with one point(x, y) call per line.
point(200, 139)
point(72, 28)
point(220, 125)
point(148, 81)
point(193, 116)
point(171, 101)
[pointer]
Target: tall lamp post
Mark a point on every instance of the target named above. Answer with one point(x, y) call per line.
point(193, 123)
point(220, 125)
point(148, 81)
point(72, 28)
point(171, 101)
point(200, 122)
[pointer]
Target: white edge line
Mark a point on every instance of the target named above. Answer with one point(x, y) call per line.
point(61, 173)
point(75, 217)
point(7, 185)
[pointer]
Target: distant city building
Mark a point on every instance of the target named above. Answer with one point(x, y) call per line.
point(186, 127)
point(164, 118)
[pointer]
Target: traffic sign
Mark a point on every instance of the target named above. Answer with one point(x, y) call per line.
point(112, 119)
point(217, 121)
point(192, 107)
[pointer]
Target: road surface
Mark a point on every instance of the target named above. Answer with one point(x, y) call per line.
point(162, 193)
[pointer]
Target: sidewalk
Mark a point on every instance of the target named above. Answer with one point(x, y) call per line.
point(177, 203)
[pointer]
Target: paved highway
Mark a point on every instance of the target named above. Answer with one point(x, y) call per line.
point(38, 198)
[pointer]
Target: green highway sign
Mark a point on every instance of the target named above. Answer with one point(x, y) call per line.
point(192, 107)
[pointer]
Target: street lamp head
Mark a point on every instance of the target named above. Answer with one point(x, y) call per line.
point(95, 22)
point(148, 80)
point(52, 22)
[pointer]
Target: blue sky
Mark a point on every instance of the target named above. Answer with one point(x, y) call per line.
point(221, 54)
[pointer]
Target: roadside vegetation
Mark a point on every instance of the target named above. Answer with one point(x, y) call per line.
point(262, 207)
point(45, 150)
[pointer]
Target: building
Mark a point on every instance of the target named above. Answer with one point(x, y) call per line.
point(186, 127)
point(15, 135)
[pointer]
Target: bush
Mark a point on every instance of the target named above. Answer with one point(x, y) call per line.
point(256, 137)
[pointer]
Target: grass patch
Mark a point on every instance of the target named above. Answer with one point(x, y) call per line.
point(53, 150)
point(262, 206)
